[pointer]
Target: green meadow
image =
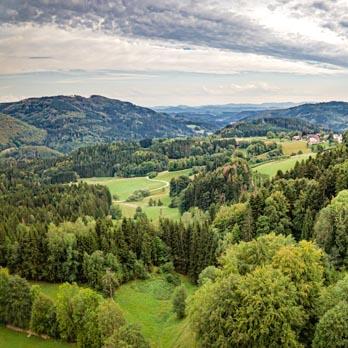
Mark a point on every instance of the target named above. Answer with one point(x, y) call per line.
point(158, 187)
point(271, 168)
point(147, 303)
point(13, 339)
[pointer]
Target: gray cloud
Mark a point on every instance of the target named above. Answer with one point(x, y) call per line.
point(202, 23)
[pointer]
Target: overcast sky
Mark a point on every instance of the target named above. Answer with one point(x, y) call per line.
point(170, 52)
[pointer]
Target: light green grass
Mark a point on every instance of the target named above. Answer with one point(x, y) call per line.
point(49, 289)
point(13, 339)
point(123, 188)
point(149, 304)
point(159, 189)
point(271, 168)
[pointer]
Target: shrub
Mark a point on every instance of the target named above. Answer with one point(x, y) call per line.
point(179, 302)
point(43, 316)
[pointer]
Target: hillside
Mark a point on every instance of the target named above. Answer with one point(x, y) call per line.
point(14, 132)
point(75, 121)
point(214, 117)
point(260, 127)
point(332, 115)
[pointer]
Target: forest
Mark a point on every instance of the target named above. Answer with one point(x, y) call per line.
point(269, 257)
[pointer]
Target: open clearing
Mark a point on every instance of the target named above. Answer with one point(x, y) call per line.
point(291, 147)
point(13, 339)
point(271, 168)
point(147, 303)
point(158, 187)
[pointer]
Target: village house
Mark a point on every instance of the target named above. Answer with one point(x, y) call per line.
point(313, 139)
point(338, 138)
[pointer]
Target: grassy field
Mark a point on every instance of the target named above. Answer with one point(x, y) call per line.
point(148, 303)
point(271, 168)
point(12, 339)
point(290, 147)
point(159, 189)
point(143, 302)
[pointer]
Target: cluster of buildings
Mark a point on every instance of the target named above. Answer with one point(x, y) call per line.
point(313, 139)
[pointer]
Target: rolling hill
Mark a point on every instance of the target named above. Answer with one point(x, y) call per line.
point(214, 117)
point(261, 126)
point(74, 121)
point(308, 118)
point(331, 115)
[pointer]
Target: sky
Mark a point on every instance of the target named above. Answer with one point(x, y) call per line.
point(175, 52)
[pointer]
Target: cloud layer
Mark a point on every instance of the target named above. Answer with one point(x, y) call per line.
point(175, 51)
point(206, 23)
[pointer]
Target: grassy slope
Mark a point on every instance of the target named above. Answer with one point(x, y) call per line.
point(290, 147)
point(271, 168)
point(147, 303)
point(12, 339)
point(123, 188)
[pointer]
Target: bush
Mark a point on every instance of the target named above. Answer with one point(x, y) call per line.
point(128, 336)
point(179, 302)
point(332, 329)
point(110, 318)
point(19, 302)
point(167, 267)
point(43, 316)
point(173, 279)
point(208, 274)
point(116, 212)
point(139, 270)
point(152, 175)
point(138, 195)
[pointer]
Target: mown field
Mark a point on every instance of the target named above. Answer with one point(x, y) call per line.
point(291, 147)
point(271, 168)
point(147, 303)
point(158, 187)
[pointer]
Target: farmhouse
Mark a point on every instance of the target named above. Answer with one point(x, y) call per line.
point(313, 139)
point(338, 138)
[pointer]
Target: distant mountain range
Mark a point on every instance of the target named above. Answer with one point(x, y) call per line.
point(214, 117)
point(65, 123)
point(70, 122)
point(306, 118)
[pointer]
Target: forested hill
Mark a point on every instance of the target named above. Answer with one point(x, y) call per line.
point(332, 115)
point(74, 121)
point(261, 126)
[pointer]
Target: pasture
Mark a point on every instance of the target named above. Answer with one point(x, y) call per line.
point(147, 303)
point(13, 339)
point(291, 147)
point(158, 187)
point(271, 168)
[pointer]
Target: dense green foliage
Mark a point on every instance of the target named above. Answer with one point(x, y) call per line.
point(248, 243)
point(78, 315)
point(221, 309)
point(179, 302)
point(261, 126)
point(15, 133)
point(223, 185)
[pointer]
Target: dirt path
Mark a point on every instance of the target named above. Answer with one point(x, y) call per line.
point(133, 205)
